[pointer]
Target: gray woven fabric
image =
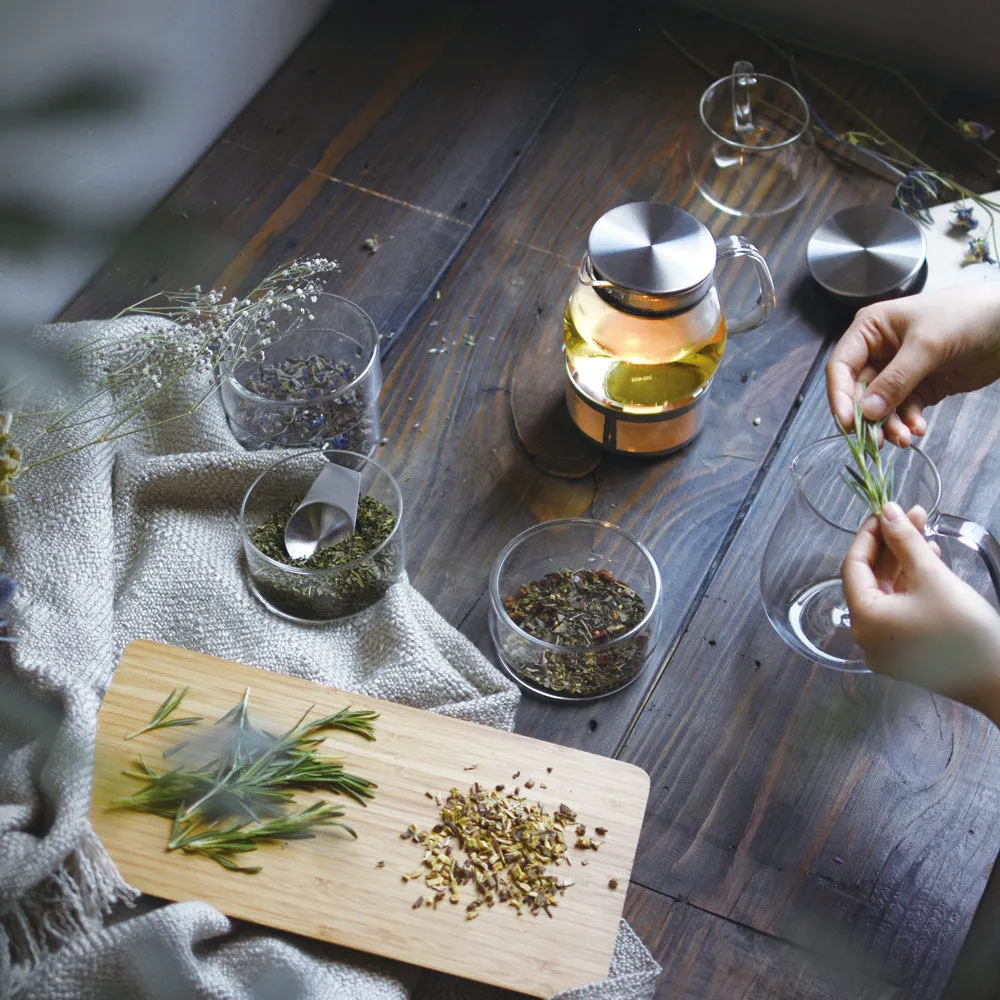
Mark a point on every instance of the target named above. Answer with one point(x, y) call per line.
point(139, 539)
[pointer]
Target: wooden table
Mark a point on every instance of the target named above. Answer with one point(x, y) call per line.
point(810, 834)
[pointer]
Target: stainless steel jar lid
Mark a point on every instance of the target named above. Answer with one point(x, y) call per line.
point(867, 252)
point(651, 248)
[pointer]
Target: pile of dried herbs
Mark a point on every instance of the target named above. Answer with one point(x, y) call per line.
point(577, 608)
point(229, 789)
point(508, 843)
point(319, 412)
point(325, 596)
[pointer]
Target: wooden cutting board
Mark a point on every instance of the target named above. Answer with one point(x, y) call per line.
point(332, 887)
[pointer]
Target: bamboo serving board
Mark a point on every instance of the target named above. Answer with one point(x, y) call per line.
point(331, 887)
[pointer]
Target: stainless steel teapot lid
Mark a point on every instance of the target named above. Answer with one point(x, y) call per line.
point(867, 252)
point(652, 248)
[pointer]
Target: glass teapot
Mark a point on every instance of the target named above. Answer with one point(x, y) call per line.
point(644, 330)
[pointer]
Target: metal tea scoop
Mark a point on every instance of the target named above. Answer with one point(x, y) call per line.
point(327, 514)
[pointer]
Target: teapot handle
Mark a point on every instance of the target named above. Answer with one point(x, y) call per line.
point(737, 246)
point(972, 536)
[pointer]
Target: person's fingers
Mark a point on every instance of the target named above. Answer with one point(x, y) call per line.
point(887, 569)
point(906, 541)
point(857, 572)
point(897, 431)
point(911, 413)
point(844, 370)
point(897, 380)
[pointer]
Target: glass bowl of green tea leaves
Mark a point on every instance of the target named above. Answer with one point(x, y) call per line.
point(315, 384)
point(337, 580)
point(574, 609)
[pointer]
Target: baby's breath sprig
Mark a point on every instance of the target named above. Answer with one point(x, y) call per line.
point(868, 478)
point(178, 334)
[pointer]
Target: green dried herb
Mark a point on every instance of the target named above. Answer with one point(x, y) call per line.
point(322, 410)
point(373, 526)
point(577, 608)
point(868, 478)
point(237, 794)
point(161, 719)
point(325, 596)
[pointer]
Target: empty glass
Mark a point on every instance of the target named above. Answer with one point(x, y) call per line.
point(800, 575)
point(753, 154)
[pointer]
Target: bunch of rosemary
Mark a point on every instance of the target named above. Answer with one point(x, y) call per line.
point(237, 798)
point(870, 480)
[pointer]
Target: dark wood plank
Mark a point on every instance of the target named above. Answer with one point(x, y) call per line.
point(845, 814)
point(470, 485)
point(398, 128)
point(705, 957)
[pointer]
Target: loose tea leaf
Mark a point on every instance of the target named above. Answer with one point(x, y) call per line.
point(321, 410)
point(508, 844)
point(236, 795)
point(577, 608)
point(373, 526)
point(325, 596)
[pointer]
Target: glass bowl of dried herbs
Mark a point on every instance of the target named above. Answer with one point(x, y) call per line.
point(316, 383)
point(574, 608)
point(337, 580)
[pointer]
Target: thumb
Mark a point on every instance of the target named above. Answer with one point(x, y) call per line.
point(905, 541)
point(897, 380)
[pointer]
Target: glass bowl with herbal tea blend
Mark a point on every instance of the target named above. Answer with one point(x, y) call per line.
point(574, 609)
point(337, 580)
point(316, 384)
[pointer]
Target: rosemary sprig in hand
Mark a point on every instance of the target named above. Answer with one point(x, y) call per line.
point(870, 480)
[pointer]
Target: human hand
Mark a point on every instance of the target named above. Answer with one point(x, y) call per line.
point(913, 352)
point(915, 619)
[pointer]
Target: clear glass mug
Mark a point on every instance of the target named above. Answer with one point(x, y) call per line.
point(753, 154)
point(800, 574)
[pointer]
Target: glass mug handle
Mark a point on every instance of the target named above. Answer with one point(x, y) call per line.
point(736, 246)
point(972, 536)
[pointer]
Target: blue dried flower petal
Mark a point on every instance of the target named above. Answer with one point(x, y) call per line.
point(341, 441)
point(975, 130)
point(964, 219)
point(8, 588)
point(978, 253)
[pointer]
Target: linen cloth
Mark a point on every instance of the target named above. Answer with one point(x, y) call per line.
point(139, 539)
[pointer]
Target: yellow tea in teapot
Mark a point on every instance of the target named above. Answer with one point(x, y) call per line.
point(641, 363)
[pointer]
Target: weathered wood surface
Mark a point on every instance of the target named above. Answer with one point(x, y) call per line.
point(479, 145)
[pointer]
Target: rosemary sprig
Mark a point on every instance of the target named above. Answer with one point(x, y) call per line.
point(161, 719)
point(220, 842)
point(227, 804)
point(868, 478)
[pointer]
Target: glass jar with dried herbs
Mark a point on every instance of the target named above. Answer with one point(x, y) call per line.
point(337, 580)
point(575, 609)
point(316, 383)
